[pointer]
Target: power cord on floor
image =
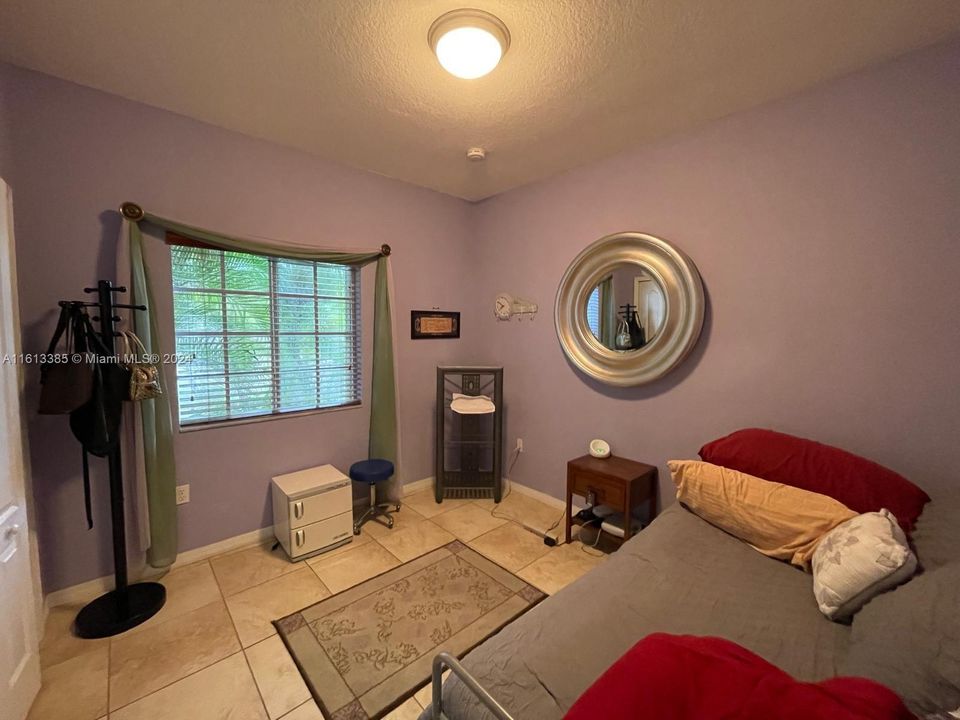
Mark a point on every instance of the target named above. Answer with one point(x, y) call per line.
point(547, 538)
point(596, 540)
point(493, 510)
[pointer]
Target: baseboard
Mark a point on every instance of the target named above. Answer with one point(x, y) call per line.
point(254, 537)
point(427, 484)
point(538, 495)
point(417, 485)
point(86, 591)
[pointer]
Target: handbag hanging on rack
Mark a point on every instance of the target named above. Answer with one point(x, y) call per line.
point(144, 375)
point(623, 341)
point(67, 382)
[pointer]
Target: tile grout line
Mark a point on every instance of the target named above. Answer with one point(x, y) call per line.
point(253, 677)
point(171, 684)
point(522, 567)
point(294, 566)
point(319, 579)
point(223, 599)
point(233, 623)
point(243, 650)
point(293, 710)
point(236, 634)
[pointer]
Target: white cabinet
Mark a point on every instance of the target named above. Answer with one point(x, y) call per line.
point(312, 510)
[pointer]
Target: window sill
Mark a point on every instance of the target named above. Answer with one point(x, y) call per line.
point(265, 418)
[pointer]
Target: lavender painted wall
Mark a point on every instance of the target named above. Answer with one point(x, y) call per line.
point(825, 228)
point(6, 142)
point(80, 153)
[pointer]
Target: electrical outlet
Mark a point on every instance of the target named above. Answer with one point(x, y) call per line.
point(183, 494)
point(519, 445)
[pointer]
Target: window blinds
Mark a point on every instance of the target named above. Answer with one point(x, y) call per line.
point(259, 335)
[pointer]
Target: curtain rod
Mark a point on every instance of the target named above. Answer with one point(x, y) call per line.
point(133, 212)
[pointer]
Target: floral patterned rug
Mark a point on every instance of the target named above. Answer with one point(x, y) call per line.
point(365, 650)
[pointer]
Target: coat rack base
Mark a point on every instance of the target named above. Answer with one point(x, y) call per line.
point(110, 615)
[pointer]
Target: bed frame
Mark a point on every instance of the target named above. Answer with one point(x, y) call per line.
point(444, 661)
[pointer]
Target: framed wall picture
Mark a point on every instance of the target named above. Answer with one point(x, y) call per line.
point(434, 324)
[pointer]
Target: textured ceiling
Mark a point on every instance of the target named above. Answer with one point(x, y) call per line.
point(354, 80)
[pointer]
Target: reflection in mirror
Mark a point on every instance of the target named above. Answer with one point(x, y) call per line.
point(626, 309)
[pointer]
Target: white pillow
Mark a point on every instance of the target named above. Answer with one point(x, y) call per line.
point(859, 559)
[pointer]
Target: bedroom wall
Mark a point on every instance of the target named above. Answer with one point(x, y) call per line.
point(79, 154)
point(802, 215)
point(6, 143)
point(825, 229)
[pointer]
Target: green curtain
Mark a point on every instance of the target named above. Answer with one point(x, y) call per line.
point(608, 313)
point(157, 425)
point(155, 422)
point(384, 439)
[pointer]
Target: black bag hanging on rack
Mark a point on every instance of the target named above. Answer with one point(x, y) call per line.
point(638, 338)
point(65, 386)
point(96, 423)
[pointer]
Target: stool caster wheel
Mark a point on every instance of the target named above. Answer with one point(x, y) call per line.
point(390, 523)
point(356, 530)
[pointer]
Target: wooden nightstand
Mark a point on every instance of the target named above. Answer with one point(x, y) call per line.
point(613, 481)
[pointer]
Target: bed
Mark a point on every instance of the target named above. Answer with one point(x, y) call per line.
point(682, 575)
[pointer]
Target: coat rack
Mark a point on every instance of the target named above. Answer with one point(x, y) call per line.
point(125, 606)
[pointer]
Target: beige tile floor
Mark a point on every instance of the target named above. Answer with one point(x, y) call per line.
point(212, 652)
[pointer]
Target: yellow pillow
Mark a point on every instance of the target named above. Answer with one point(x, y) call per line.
point(780, 521)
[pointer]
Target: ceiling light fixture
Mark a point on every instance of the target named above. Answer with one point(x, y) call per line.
point(468, 43)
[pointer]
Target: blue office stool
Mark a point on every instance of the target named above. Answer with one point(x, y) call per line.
point(372, 472)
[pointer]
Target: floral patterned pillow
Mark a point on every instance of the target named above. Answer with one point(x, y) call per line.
point(859, 559)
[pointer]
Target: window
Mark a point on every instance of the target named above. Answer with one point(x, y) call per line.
point(593, 311)
point(263, 335)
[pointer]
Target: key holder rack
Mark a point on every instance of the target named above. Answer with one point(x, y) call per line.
point(126, 606)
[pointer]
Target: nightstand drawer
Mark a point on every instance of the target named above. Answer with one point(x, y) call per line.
point(606, 492)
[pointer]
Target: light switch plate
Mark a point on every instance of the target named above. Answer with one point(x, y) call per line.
point(183, 494)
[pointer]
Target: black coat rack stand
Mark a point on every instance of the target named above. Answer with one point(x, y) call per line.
point(125, 606)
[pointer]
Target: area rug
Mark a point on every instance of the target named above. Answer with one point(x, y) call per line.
point(365, 650)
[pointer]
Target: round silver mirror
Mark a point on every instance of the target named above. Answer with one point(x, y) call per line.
point(629, 308)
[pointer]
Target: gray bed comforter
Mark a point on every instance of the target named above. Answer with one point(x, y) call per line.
point(680, 575)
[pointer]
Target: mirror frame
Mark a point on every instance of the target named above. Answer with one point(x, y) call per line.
point(682, 288)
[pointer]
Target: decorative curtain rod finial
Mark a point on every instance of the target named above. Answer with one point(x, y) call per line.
point(131, 211)
point(384, 250)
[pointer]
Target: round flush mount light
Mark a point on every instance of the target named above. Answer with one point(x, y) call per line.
point(468, 43)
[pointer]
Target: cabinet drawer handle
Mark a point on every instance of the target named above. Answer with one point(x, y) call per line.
point(298, 510)
point(299, 538)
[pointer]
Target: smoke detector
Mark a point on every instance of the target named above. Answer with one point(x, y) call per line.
point(476, 154)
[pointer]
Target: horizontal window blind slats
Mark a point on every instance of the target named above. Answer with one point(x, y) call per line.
point(263, 336)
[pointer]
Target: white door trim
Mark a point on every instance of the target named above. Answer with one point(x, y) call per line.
point(20, 607)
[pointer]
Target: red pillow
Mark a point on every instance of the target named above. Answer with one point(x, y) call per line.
point(860, 484)
point(681, 677)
